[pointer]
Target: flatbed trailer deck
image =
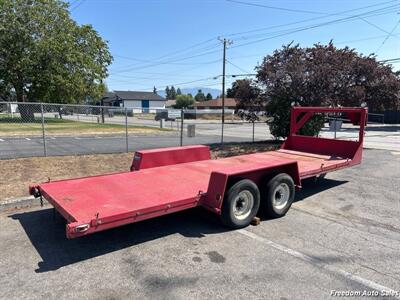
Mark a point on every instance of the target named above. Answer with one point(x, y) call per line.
point(163, 181)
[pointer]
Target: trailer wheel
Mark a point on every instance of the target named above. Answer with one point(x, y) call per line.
point(277, 195)
point(241, 204)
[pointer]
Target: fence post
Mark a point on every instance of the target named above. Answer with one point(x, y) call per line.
point(335, 124)
point(182, 116)
point(253, 131)
point(126, 129)
point(43, 132)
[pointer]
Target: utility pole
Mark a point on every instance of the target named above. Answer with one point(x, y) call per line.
point(225, 42)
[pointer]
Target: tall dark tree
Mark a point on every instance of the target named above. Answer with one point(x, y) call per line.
point(200, 96)
point(209, 96)
point(167, 93)
point(172, 93)
point(248, 95)
point(230, 93)
point(178, 91)
point(46, 56)
point(323, 75)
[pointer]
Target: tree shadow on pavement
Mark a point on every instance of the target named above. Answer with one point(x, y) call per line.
point(47, 233)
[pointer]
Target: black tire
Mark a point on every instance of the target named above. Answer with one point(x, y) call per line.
point(241, 203)
point(277, 195)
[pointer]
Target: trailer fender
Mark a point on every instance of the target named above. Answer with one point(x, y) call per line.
point(219, 182)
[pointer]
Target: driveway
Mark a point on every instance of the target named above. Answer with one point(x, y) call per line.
point(342, 234)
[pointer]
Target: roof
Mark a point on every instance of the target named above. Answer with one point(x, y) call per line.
point(137, 95)
point(170, 103)
point(229, 102)
point(109, 96)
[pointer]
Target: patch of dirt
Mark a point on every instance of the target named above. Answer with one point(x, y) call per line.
point(17, 174)
point(231, 149)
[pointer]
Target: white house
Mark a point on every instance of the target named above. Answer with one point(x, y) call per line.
point(139, 102)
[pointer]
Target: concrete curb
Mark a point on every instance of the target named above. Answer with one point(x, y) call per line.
point(18, 203)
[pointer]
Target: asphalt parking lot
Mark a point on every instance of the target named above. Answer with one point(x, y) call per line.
point(74, 144)
point(342, 234)
point(377, 136)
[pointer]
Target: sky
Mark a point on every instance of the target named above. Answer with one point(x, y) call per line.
point(175, 42)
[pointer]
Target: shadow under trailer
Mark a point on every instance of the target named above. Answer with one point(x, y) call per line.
point(164, 181)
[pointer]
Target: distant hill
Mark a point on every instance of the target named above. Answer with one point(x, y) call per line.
point(214, 92)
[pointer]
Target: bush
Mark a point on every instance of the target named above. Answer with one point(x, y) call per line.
point(279, 110)
point(183, 101)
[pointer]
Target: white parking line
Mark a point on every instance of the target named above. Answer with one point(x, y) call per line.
point(313, 261)
point(28, 139)
point(1, 140)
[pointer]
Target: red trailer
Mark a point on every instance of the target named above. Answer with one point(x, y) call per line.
point(163, 181)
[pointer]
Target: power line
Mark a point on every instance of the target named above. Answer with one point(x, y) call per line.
point(387, 37)
point(311, 19)
point(175, 59)
point(181, 72)
point(301, 29)
point(377, 27)
point(364, 39)
point(77, 5)
point(281, 33)
point(390, 60)
point(275, 7)
point(286, 32)
point(336, 21)
point(165, 62)
point(236, 66)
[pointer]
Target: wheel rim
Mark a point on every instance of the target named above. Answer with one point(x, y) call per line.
point(281, 196)
point(243, 204)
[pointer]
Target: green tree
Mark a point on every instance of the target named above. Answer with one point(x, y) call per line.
point(178, 91)
point(249, 102)
point(167, 93)
point(172, 93)
point(184, 101)
point(248, 94)
point(200, 96)
point(46, 56)
point(209, 96)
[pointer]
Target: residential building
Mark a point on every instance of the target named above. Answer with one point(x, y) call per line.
point(139, 102)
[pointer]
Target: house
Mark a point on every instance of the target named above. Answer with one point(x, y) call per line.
point(170, 103)
point(137, 101)
point(230, 103)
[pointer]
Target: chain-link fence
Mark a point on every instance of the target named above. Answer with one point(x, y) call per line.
point(47, 129)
